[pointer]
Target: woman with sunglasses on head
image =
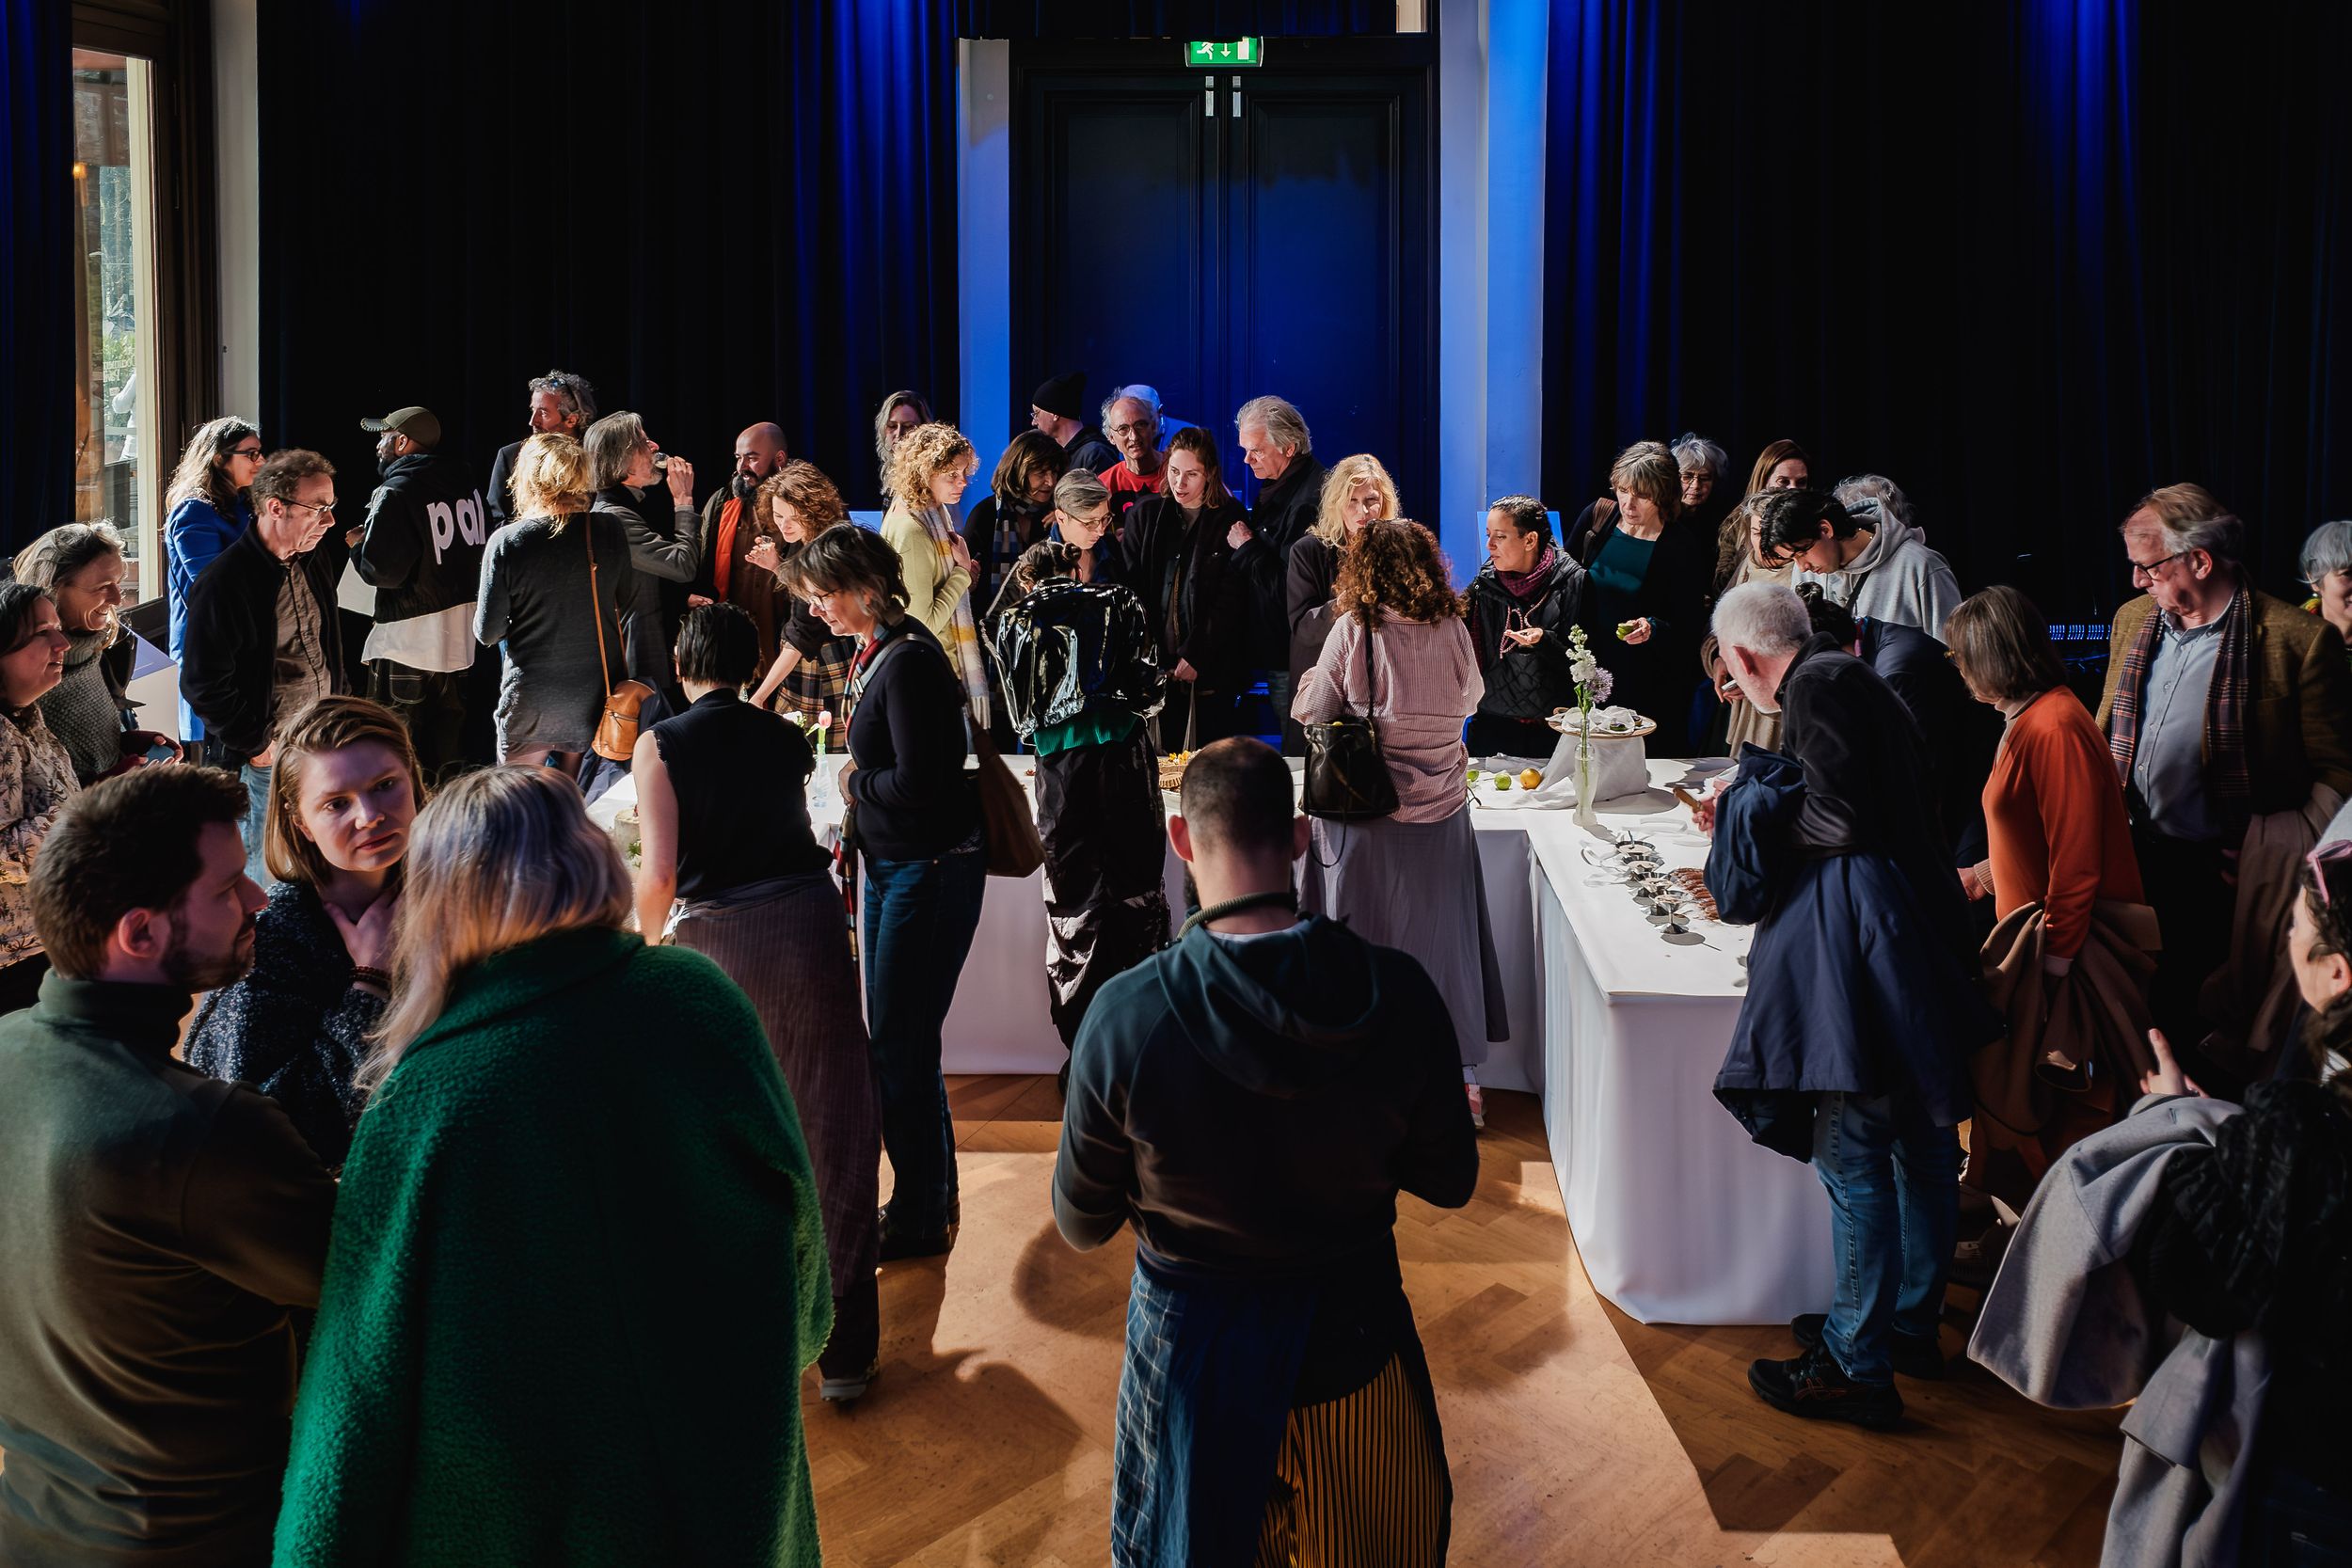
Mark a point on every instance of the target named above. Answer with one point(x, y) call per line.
point(36, 778)
point(1522, 606)
point(207, 508)
point(80, 566)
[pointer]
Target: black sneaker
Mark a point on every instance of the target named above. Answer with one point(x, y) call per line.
point(897, 1242)
point(1815, 1388)
point(1909, 1357)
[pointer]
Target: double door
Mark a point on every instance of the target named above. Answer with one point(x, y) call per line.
point(1221, 236)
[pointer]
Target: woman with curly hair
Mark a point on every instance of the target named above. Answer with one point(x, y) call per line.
point(1399, 651)
point(928, 469)
point(808, 664)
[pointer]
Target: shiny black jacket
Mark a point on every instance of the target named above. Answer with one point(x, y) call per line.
point(1073, 645)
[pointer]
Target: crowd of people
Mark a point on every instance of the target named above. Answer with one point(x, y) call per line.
point(409, 1145)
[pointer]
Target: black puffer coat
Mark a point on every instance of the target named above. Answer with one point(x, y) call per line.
point(1526, 683)
point(1073, 645)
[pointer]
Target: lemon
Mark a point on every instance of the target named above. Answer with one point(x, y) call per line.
point(1530, 778)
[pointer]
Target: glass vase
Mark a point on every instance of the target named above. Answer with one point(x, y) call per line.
point(1586, 816)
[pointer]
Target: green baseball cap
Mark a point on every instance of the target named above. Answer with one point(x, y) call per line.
point(417, 424)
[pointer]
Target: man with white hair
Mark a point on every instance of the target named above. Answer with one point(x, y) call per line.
point(1131, 418)
point(1852, 1045)
point(1280, 451)
point(2228, 712)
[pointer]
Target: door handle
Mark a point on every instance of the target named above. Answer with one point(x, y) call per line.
point(1211, 98)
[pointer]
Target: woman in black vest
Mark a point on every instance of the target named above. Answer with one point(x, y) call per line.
point(916, 821)
point(754, 893)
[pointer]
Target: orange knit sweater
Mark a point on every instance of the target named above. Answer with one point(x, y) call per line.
point(2054, 814)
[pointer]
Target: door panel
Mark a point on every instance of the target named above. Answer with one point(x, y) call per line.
point(1120, 253)
point(1327, 308)
point(1219, 255)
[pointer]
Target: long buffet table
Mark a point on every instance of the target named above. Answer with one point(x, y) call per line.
point(1678, 1216)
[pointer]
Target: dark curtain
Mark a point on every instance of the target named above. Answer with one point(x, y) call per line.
point(2028, 260)
point(717, 214)
point(39, 393)
point(1170, 18)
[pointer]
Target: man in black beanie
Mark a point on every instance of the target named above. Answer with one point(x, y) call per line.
point(1057, 409)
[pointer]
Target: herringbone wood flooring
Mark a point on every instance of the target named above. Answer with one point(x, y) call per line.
point(1577, 1436)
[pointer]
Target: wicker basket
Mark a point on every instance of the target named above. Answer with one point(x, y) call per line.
point(1172, 771)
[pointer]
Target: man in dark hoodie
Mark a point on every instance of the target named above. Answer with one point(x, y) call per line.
point(1253, 1099)
point(420, 549)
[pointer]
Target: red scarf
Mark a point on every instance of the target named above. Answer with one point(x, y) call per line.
point(1519, 584)
point(722, 548)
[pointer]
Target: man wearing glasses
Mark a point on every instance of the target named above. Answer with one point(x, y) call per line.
point(264, 639)
point(2227, 711)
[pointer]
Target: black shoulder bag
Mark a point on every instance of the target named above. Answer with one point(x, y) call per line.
point(1347, 779)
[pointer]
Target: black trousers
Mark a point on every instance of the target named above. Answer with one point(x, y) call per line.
point(1099, 812)
point(432, 703)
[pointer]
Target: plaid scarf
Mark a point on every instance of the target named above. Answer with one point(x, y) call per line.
point(962, 642)
point(2229, 790)
point(820, 684)
point(1007, 541)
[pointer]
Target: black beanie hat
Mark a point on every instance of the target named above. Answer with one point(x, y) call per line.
point(1065, 394)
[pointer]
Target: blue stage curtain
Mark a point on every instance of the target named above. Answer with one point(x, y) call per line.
point(717, 214)
point(2029, 259)
point(38, 389)
point(1170, 18)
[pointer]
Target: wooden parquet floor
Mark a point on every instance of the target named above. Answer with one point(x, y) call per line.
point(1577, 1436)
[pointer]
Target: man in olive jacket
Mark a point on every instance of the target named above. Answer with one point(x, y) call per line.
point(158, 1223)
point(2230, 716)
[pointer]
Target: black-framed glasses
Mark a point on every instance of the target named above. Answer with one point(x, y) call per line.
point(324, 510)
point(246, 452)
point(2149, 569)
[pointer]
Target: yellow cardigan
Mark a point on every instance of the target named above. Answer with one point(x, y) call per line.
point(934, 587)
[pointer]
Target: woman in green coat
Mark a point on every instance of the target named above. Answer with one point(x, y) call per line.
point(577, 1269)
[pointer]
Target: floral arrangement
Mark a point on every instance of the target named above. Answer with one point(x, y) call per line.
point(1593, 683)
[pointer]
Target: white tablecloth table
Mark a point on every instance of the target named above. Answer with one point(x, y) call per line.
point(1679, 1217)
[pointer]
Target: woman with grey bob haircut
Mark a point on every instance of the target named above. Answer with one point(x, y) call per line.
point(2327, 568)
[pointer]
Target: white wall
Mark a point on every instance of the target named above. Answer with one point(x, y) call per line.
point(1491, 159)
point(238, 153)
point(984, 249)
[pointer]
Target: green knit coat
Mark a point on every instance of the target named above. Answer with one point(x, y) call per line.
point(577, 1271)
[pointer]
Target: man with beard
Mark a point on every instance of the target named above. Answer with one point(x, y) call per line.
point(730, 528)
point(420, 548)
point(159, 1223)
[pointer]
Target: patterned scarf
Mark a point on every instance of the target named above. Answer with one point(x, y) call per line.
point(962, 640)
point(2229, 790)
point(1519, 584)
point(1015, 526)
point(723, 547)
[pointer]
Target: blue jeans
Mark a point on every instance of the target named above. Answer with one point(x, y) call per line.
point(256, 815)
point(919, 920)
point(1893, 1194)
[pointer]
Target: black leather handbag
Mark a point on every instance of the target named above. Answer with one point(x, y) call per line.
point(1347, 779)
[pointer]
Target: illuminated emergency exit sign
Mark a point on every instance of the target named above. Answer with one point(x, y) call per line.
point(1225, 53)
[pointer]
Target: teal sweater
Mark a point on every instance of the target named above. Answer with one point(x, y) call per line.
point(577, 1271)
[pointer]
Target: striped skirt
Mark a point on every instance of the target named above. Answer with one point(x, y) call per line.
point(1361, 1479)
point(787, 944)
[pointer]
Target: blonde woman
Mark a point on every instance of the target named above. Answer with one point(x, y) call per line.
point(80, 566)
point(343, 797)
point(558, 624)
point(1355, 490)
point(579, 1193)
point(928, 470)
point(899, 412)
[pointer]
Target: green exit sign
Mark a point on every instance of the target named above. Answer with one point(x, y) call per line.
point(1225, 53)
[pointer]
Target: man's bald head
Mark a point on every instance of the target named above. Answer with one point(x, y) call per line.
point(758, 453)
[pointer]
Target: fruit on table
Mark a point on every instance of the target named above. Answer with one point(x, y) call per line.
point(1502, 781)
point(1530, 778)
